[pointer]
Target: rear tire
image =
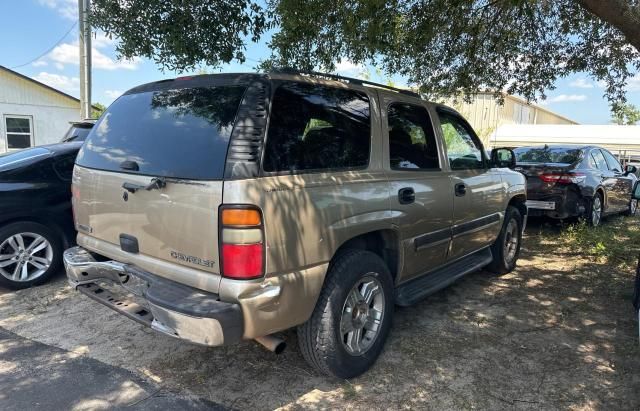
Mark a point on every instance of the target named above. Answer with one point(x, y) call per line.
point(506, 248)
point(596, 207)
point(357, 295)
point(31, 245)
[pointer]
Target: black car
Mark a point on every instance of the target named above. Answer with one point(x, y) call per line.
point(78, 131)
point(574, 181)
point(36, 222)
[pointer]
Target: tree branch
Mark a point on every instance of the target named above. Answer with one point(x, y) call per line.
point(620, 14)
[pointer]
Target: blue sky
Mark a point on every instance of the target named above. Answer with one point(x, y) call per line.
point(28, 28)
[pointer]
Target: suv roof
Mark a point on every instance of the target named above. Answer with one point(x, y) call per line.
point(279, 74)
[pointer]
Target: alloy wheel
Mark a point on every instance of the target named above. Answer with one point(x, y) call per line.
point(362, 315)
point(596, 211)
point(25, 257)
point(511, 240)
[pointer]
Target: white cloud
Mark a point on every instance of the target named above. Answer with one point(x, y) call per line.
point(113, 94)
point(348, 67)
point(581, 82)
point(57, 81)
point(633, 83)
point(39, 63)
point(67, 53)
point(100, 40)
point(66, 8)
point(564, 98)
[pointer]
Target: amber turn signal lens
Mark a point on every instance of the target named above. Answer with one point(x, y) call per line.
point(240, 217)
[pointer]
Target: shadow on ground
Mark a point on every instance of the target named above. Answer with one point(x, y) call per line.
point(557, 333)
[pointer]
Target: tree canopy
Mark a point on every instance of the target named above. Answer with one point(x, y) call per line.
point(625, 114)
point(443, 47)
point(97, 110)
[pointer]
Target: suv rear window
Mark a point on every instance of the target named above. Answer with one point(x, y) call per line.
point(178, 133)
point(314, 127)
point(547, 155)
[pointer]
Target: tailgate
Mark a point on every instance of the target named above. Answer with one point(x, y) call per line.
point(177, 224)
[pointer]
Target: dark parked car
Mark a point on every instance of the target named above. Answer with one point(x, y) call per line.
point(573, 181)
point(36, 222)
point(78, 131)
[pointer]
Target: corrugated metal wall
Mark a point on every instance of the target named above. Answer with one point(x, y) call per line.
point(486, 115)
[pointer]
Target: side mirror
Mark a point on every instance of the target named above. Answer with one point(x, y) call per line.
point(629, 169)
point(636, 191)
point(503, 158)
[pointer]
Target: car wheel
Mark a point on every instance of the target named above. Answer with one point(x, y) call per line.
point(594, 218)
point(352, 318)
point(506, 248)
point(30, 254)
point(633, 208)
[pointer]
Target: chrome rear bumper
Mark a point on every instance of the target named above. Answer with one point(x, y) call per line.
point(168, 307)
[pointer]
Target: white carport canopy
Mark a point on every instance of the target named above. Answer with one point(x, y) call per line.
point(623, 141)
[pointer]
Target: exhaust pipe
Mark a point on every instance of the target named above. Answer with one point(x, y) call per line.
point(272, 343)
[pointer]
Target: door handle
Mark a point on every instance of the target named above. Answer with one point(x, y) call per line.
point(460, 189)
point(406, 195)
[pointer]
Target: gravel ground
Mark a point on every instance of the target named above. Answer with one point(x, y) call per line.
point(557, 333)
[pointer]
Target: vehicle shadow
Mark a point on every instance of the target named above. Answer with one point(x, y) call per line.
point(558, 332)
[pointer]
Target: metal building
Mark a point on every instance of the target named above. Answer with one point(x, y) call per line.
point(486, 114)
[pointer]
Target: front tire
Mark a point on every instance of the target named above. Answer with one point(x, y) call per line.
point(633, 208)
point(506, 248)
point(30, 253)
point(352, 318)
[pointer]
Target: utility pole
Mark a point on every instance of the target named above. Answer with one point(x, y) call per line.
point(85, 59)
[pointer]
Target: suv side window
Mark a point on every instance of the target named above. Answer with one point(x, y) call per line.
point(463, 148)
point(599, 159)
point(614, 165)
point(412, 143)
point(314, 127)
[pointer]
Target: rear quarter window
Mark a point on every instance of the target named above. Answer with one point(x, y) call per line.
point(178, 133)
point(314, 127)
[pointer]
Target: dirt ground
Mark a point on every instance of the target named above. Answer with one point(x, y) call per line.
point(557, 333)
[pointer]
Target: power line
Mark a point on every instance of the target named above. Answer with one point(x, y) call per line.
point(49, 49)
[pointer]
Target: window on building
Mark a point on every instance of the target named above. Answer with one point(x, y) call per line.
point(19, 132)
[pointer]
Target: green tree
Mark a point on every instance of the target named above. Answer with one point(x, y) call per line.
point(97, 110)
point(444, 47)
point(181, 34)
point(625, 114)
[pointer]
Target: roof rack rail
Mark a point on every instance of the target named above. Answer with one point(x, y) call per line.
point(289, 70)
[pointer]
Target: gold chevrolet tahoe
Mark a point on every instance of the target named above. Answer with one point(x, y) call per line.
point(223, 207)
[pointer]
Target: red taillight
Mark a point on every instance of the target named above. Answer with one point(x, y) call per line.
point(242, 242)
point(567, 178)
point(242, 261)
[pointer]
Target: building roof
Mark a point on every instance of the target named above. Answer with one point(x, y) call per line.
point(55, 90)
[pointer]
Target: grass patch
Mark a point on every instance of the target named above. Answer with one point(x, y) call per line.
point(615, 242)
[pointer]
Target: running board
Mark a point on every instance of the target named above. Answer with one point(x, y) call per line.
point(415, 290)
